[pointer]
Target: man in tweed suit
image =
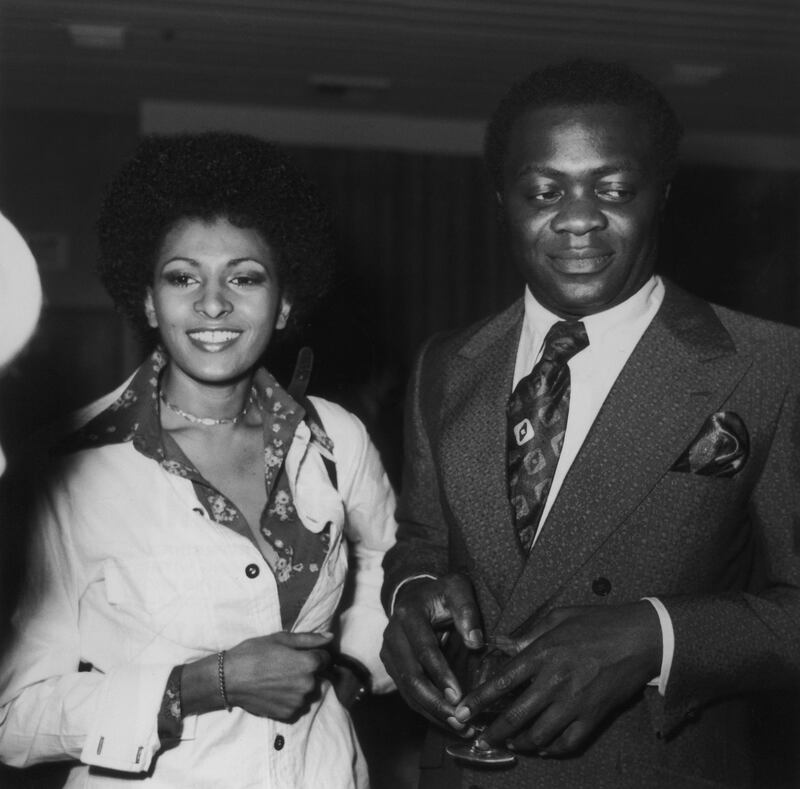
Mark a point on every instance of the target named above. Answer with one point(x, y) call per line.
point(663, 585)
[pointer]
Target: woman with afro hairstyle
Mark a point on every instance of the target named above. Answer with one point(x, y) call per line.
point(182, 626)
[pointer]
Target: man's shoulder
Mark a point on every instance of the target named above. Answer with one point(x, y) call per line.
point(747, 332)
point(774, 347)
point(751, 328)
point(475, 338)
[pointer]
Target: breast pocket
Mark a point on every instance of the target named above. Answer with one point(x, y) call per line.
point(163, 598)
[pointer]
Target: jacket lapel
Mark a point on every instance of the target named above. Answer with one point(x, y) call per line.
point(680, 372)
point(473, 448)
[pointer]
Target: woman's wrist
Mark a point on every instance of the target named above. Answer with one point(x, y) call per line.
point(200, 686)
point(223, 693)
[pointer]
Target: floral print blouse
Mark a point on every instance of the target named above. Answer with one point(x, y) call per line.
point(294, 553)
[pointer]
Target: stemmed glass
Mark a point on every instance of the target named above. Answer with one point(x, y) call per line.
point(482, 665)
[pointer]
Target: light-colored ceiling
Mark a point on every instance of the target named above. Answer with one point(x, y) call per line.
point(728, 65)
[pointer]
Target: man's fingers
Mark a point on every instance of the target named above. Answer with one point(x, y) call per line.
point(515, 673)
point(460, 599)
point(542, 626)
point(414, 660)
point(571, 740)
point(430, 701)
point(516, 715)
point(441, 675)
point(541, 731)
point(419, 644)
point(420, 694)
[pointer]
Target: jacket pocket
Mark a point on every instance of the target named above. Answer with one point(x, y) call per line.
point(160, 598)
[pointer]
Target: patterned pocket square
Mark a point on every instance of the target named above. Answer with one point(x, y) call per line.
point(720, 449)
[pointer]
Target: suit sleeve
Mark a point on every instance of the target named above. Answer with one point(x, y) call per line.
point(422, 537)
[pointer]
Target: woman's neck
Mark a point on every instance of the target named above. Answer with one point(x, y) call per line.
point(191, 400)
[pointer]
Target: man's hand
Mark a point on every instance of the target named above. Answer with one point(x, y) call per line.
point(411, 648)
point(574, 667)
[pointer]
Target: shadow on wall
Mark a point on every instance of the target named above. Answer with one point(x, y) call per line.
point(733, 237)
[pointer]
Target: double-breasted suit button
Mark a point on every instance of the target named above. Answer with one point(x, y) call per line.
point(601, 586)
point(252, 571)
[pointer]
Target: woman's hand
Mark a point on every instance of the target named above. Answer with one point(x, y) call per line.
point(274, 676)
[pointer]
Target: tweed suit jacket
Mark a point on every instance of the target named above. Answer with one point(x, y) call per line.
point(722, 553)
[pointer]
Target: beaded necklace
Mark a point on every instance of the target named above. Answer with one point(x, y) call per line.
point(207, 420)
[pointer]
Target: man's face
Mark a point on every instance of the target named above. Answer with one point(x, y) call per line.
point(582, 198)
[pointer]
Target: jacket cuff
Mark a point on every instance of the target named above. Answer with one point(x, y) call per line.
point(123, 734)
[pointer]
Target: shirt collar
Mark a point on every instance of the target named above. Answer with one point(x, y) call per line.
point(135, 416)
point(538, 319)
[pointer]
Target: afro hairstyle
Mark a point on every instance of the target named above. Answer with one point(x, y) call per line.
point(213, 175)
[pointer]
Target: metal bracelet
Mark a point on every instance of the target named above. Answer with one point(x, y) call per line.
point(221, 678)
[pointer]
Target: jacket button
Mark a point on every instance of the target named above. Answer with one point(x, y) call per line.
point(279, 742)
point(252, 571)
point(601, 586)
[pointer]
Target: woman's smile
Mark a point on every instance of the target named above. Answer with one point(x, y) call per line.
point(213, 340)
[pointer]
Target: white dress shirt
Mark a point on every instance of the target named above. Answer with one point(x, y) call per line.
point(613, 334)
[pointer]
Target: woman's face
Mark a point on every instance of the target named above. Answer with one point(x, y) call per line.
point(215, 299)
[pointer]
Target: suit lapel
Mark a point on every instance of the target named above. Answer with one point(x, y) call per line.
point(680, 372)
point(473, 448)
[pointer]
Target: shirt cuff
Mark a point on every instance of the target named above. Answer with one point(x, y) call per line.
point(667, 642)
point(123, 734)
point(403, 583)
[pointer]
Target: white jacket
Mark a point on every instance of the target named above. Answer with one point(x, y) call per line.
point(132, 577)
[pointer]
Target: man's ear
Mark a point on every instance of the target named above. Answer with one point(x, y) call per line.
point(149, 309)
point(284, 311)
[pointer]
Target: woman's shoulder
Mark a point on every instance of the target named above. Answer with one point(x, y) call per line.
point(338, 421)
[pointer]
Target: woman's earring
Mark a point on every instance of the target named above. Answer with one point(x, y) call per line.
point(283, 315)
point(150, 311)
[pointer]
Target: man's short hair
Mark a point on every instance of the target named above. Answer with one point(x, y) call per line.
point(582, 82)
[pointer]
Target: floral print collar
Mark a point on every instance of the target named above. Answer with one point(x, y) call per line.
point(135, 416)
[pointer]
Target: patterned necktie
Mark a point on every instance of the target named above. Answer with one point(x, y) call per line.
point(537, 419)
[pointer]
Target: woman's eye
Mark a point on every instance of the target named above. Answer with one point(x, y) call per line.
point(179, 279)
point(247, 280)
